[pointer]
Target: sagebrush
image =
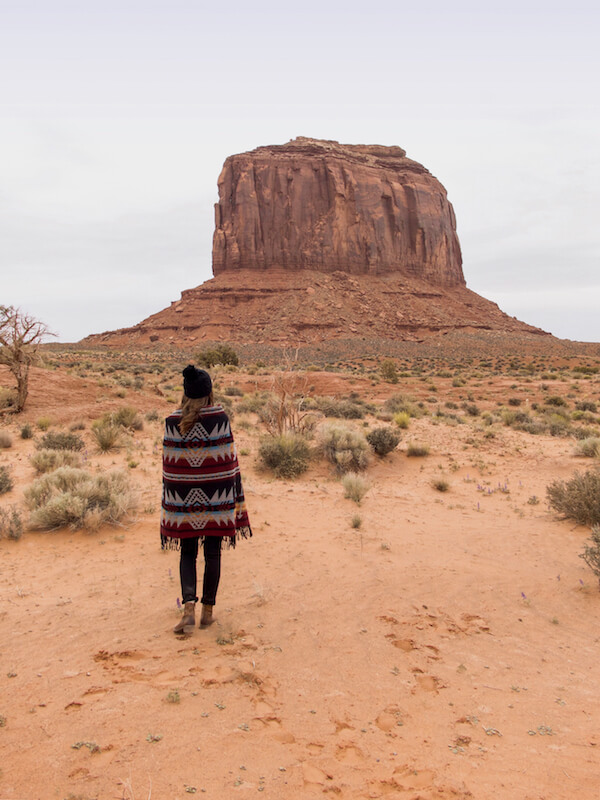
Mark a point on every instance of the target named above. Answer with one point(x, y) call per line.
point(346, 448)
point(286, 455)
point(383, 440)
point(577, 498)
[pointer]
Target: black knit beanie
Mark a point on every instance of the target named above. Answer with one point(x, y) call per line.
point(196, 382)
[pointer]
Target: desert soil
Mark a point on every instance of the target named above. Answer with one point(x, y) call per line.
point(447, 648)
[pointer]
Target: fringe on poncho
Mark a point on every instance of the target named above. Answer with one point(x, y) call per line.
point(202, 485)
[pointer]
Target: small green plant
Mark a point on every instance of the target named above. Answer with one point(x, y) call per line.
point(383, 440)
point(286, 455)
point(6, 483)
point(11, 524)
point(578, 498)
point(5, 440)
point(173, 696)
point(26, 431)
point(60, 440)
point(355, 487)
point(345, 448)
point(44, 423)
point(416, 449)
point(402, 419)
point(49, 460)
point(591, 552)
point(356, 521)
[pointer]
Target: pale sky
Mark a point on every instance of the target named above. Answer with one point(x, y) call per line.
point(116, 117)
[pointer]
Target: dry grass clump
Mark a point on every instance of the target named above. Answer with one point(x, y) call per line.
point(417, 449)
point(6, 483)
point(124, 417)
point(44, 423)
point(48, 460)
point(351, 407)
point(399, 402)
point(60, 440)
point(5, 440)
point(107, 436)
point(383, 440)
point(345, 448)
point(76, 498)
point(355, 486)
point(440, 484)
point(286, 455)
point(27, 431)
point(578, 498)
point(588, 448)
point(402, 419)
point(11, 524)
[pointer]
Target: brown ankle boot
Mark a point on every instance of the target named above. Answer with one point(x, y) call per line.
point(189, 618)
point(206, 618)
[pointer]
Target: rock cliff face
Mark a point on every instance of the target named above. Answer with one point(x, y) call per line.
point(320, 205)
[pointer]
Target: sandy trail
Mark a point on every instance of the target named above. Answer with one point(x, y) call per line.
point(446, 649)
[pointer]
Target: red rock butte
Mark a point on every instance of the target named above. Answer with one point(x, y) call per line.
point(319, 242)
point(320, 205)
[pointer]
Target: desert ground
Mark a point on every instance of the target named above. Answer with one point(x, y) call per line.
point(423, 644)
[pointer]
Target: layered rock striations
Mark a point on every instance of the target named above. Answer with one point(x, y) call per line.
point(320, 205)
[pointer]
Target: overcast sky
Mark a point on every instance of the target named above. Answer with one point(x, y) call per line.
point(116, 117)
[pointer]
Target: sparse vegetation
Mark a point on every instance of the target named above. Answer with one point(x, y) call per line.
point(356, 521)
point(440, 485)
point(26, 431)
point(345, 448)
point(383, 440)
point(578, 498)
point(107, 436)
point(221, 354)
point(76, 498)
point(44, 423)
point(402, 419)
point(287, 455)
point(388, 370)
point(355, 486)
point(588, 448)
point(5, 440)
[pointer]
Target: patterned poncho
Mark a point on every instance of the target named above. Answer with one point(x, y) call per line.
point(202, 486)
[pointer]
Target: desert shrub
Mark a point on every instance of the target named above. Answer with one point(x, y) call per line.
point(399, 402)
point(345, 448)
point(26, 431)
point(383, 440)
point(355, 486)
point(5, 440)
point(107, 436)
point(555, 400)
point(6, 483)
point(356, 521)
point(234, 391)
point(8, 398)
point(586, 405)
point(253, 403)
point(76, 498)
point(78, 425)
point(558, 425)
point(456, 382)
point(471, 409)
point(416, 449)
point(514, 401)
point(286, 455)
point(153, 416)
point(60, 440)
point(44, 423)
point(347, 408)
point(221, 354)
point(577, 498)
point(588, 448)
point(125, 417)
point(388, 370)
point(591, 552)
point(585, 433)
point(440, 485)
point(11, 524)
point(47, 460)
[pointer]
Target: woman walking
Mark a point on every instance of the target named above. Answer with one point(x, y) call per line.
point(203, 499)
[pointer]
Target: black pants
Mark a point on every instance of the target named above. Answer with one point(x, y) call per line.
point(212, 569)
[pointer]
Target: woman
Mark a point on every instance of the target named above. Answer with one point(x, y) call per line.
point(203, 499)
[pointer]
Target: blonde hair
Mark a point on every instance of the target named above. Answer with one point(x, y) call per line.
point(191, 408)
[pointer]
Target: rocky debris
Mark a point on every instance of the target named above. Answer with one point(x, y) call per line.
point(321, 205)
